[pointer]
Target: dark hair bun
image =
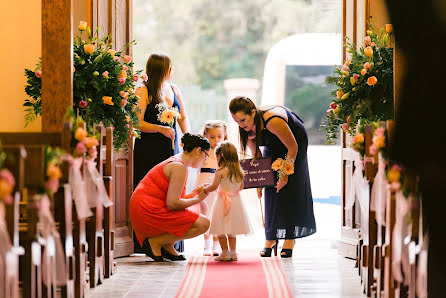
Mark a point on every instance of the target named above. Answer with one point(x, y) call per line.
point(192, 141)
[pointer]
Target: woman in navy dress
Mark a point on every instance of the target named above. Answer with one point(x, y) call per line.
point(158, 141)
point(288, 204)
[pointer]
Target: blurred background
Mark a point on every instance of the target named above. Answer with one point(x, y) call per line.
point(283, 49)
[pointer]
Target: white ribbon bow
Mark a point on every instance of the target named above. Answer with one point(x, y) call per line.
point(53, 259)
point(95, 185)
point(380, 192)
point(78, 186)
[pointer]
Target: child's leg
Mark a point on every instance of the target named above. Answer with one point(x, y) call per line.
point(225, 255)
point(223, 241)
point(233, 247)
point(232, 242)
point(216, 250)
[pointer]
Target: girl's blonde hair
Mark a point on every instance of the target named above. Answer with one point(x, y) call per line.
point(211, 124)
point(228, 157)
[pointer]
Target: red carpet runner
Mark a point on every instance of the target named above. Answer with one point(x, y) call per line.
point(250, 276)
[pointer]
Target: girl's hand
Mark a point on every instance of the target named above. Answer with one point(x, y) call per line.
point(197, 190)
point(202, 195)
point(259, 192)
point(168, 132)
point(281, 183)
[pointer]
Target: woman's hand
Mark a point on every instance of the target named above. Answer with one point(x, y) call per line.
point(197, 190)
point(167, 132)
point(281, 183)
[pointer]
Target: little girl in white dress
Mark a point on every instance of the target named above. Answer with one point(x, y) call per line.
point(215, 132)
point(228, 214)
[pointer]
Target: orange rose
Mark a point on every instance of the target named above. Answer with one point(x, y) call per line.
point(53, 172)
point(89, 48)
point(368, 51)
point(111, 52)
point(379, 141)
point(393, 175)
point(82, 25)
point(108, 100)
point(91, 141)
point(277, 164)
point(80, 134)
point(339, 94)
point(359, 138)
point(372, 81)
point(122, 74)
point(389, 28)
point(363, 71)
point(5, 188)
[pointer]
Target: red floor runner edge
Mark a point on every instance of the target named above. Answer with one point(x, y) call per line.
point(250, 276)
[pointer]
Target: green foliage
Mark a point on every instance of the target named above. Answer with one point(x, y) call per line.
point(359, 102)
point(96, 75)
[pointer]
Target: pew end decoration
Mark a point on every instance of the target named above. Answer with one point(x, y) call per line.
point(364, 92)
point(7, 181)
point(103, 86)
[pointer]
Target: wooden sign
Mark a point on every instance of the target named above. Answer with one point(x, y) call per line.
point(258, 172)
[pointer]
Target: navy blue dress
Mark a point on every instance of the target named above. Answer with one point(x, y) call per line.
point(289, 213)
point(151, 149)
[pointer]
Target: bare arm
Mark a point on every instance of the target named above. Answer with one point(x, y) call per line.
point(281, 129)
point(147, 127)
point(215, 183)
point(183, 121)
point(252, 147)
point(177, 172)
point(242, 185)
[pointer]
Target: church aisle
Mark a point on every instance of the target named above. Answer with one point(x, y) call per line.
point(316, 269)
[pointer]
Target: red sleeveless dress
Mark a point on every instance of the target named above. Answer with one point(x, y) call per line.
point(148, 210)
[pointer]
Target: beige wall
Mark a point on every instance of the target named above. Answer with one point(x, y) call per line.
point(20, 37)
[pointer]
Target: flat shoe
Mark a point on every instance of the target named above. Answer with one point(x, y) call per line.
point(224, 257)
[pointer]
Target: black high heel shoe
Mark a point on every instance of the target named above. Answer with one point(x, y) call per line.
point(167, 255)
point(148, 251)
point(286, 252)
point(268, 250)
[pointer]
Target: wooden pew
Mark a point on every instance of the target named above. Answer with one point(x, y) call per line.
point(27, 150)
point(109, 233)
point(369, 233)
point(11, 265)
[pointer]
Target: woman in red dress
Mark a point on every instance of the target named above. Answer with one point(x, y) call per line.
point(158, 205)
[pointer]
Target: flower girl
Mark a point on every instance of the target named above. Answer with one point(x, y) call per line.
point(215, 132)
point(228, 214)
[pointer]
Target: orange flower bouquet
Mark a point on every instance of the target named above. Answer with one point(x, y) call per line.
point(168, 115)
point(284, 167)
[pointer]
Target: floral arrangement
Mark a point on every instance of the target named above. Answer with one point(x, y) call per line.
point(364, 83)
point(103, 86)
point(284, 167)
point(82, 144)
point(168, 115)
point(379, 142)
point(52, 170)
point(7, 180)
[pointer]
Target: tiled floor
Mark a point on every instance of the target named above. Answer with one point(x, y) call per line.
point(316, 270)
